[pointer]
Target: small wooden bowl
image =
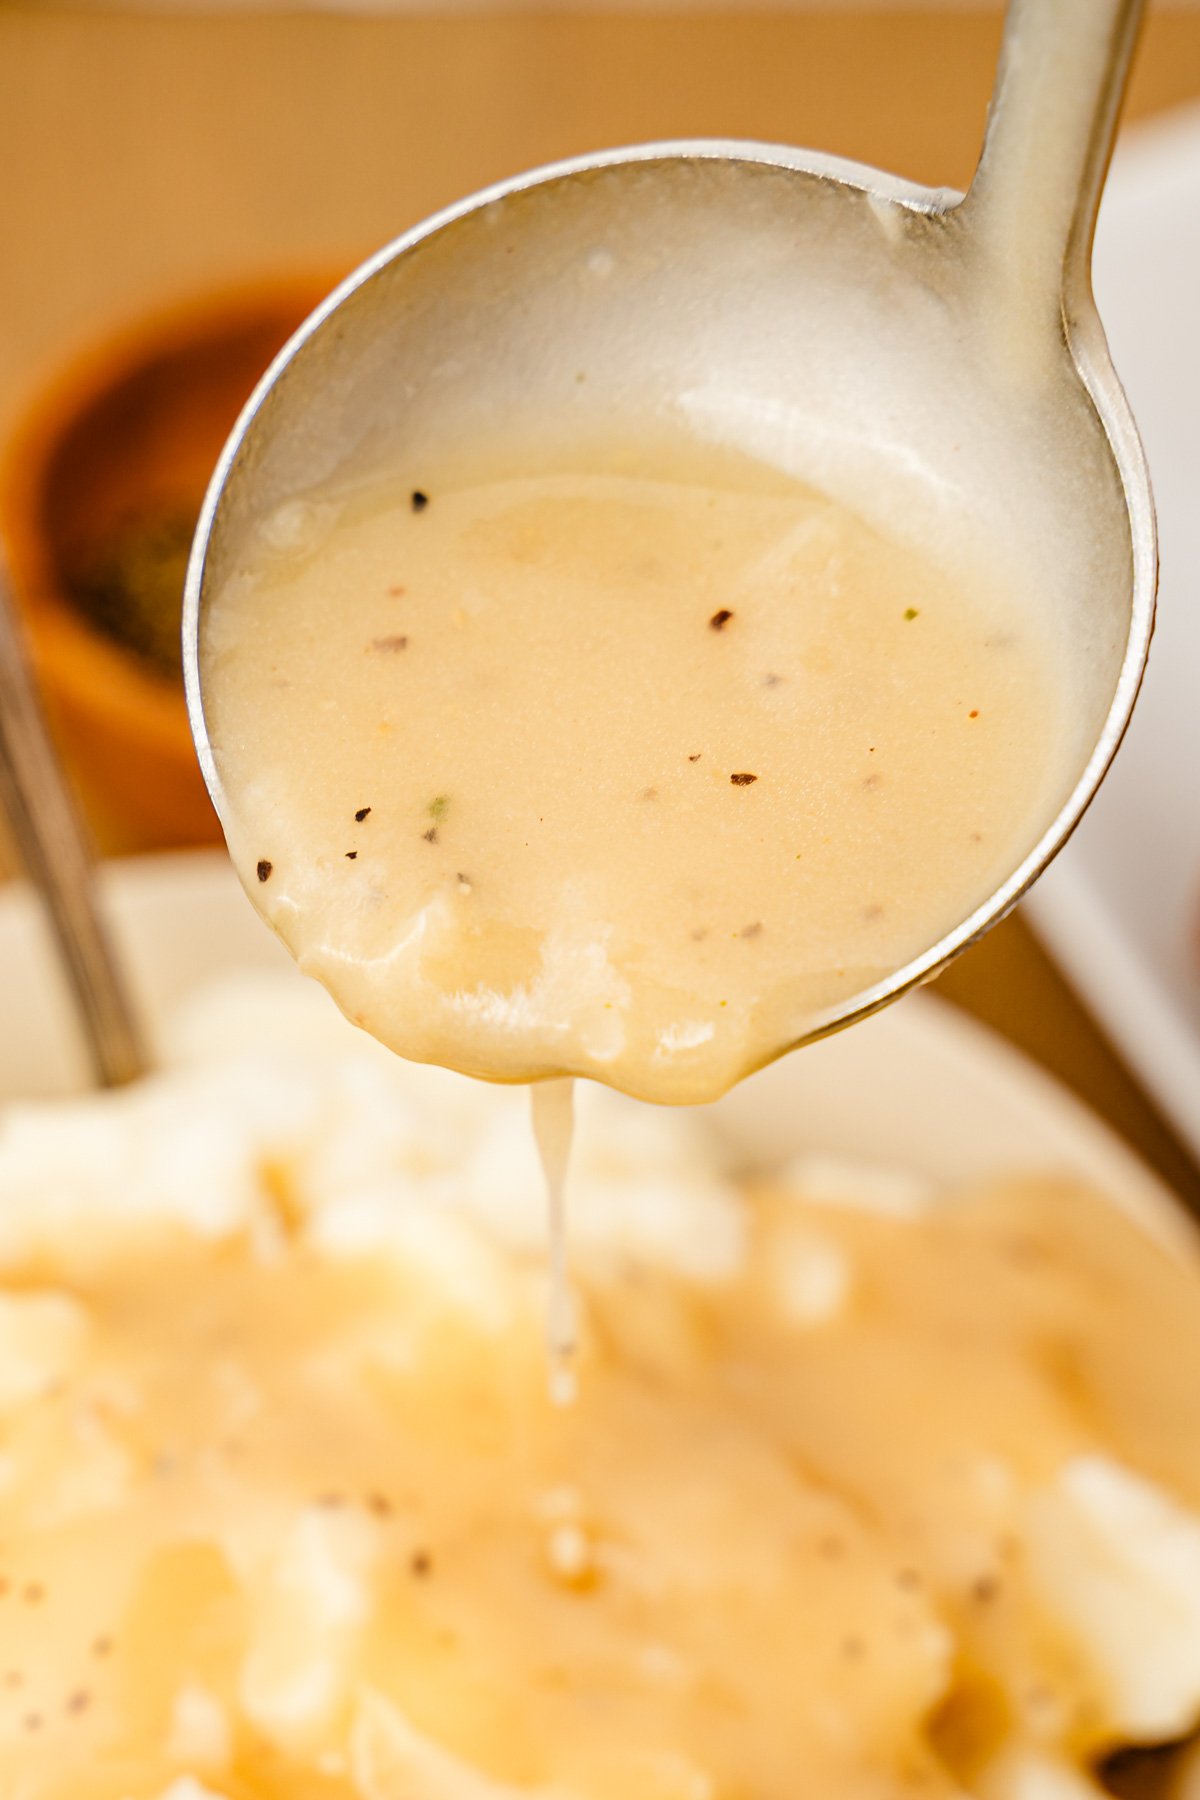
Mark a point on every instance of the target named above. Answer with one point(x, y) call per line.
point(123, 442)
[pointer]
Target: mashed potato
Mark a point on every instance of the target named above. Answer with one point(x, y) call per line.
point(871, 1493)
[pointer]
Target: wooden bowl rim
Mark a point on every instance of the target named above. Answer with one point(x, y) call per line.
point(91, 671)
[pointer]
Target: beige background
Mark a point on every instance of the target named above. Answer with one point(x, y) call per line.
point(144, 155)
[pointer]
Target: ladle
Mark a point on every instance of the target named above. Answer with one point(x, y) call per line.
point(941, 355)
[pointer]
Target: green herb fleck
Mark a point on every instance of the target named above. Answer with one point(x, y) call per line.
point(438, 807)
point(910, 612)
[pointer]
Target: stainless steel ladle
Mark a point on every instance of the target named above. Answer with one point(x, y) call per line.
point(839, 322)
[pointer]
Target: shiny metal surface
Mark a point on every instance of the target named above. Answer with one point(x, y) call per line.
point(703, 274)
point(49, 838)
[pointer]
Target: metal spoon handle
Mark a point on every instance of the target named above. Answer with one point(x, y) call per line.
point(1053, 116)
point(50, 839)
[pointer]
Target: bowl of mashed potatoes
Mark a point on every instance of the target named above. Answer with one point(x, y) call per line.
point(882, 1479)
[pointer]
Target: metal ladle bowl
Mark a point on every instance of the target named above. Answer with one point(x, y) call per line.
point(865, 334)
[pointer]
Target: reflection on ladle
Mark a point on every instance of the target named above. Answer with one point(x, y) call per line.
point(50, 840)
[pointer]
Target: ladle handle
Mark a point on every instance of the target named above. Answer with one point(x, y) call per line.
point(50, 840)
point(1032, 205)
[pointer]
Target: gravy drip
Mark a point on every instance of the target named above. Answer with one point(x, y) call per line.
point(552, 1105)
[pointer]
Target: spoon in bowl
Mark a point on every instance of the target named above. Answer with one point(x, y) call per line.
point(50, 839)
point(861, 334)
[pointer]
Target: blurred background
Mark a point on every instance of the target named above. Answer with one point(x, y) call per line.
point(182, 182)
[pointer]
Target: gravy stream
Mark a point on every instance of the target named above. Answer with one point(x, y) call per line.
point(553, 1111)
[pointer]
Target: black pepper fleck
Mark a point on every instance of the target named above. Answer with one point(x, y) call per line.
point(430, 836)
point(361, 814)
point(351, 855)
point(752, 930)
point(697, 756)
point(720, 619)
point(264, 870)
point(1138, 1769)
point(395, 642)
point(419, 500)
point(742, 780)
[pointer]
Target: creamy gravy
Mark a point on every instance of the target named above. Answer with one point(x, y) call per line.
point(617, 772)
